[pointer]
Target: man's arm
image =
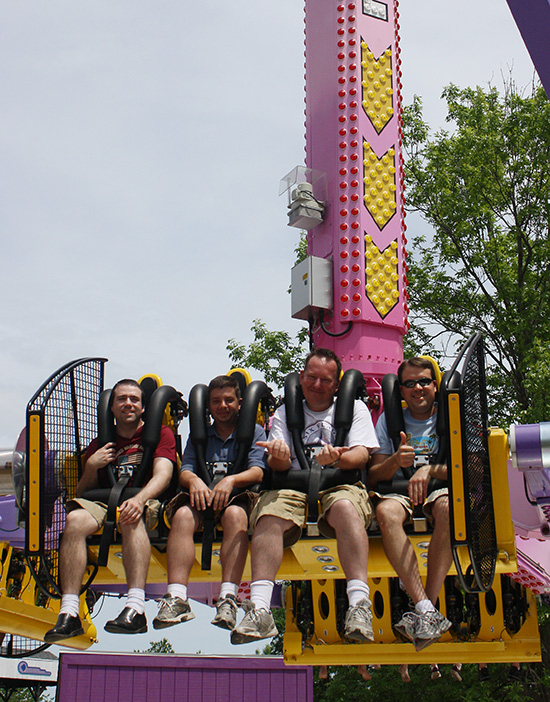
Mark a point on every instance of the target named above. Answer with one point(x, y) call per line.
point(278, 454)
point(343, 457)
point(199, 492)
point(132, 509)
point(383, 466)
point(277, 446)
point(221, 493)
point(351, 458)
point(94, 463)
point(361, 439)
point(419, 482)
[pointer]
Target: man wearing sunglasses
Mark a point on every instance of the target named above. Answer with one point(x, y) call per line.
point(419, 444)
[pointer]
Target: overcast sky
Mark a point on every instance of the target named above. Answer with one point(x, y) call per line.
point(142, 146)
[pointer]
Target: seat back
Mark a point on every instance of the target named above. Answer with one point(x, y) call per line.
point(256, 394)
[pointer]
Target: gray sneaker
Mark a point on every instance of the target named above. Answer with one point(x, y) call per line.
point(406, 625)
point(172, 610)
point(226, 613)
point(428, 628)
point(358, 622)
point(256, 624)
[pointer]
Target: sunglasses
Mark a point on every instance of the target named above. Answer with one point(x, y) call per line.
point(423, 382)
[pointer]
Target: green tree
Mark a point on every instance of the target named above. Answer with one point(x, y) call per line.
point(274, 353)
point(484, 187)
point(26, 694)
point(162, 646)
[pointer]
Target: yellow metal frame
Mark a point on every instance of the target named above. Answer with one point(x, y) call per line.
point(22, 616)
point(33, 488)
point(492, 645)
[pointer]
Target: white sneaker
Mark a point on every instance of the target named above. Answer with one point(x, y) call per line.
point(358, 622)
point(256, 624)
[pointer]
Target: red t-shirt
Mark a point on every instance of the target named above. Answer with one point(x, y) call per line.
point(129, 452)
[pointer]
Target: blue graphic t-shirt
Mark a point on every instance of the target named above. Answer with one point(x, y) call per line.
point(421, 435)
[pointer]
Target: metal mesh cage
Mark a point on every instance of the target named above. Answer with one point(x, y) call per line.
point(13, 646)
point(66, 409)
point(479, 513)
point(481, 521)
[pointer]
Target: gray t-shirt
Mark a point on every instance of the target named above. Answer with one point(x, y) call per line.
point(319, 429)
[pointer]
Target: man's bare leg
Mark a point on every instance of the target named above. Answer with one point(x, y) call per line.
point(234, 544)
point(73, 551)
point(136, 553)
point(73, 559)
point(391, 516)
point(353, 552)
point(351, 538)
point(266, 555)
point(174, 607)
point(267, 546)
point(440, 556)
point(180, 549)
point(233, 554)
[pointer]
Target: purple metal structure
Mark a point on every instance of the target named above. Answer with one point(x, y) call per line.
point(96, 677)
point(533, 20)
point(529, 478)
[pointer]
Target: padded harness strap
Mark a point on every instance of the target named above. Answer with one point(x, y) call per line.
point(110, 521)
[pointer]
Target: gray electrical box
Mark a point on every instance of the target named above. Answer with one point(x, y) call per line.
point(311, 287)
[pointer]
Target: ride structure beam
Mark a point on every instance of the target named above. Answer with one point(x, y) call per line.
point(533, 20)
point(353, 135)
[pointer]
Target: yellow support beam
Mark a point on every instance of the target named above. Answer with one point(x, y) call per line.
point(493, 643)
point(20, 613)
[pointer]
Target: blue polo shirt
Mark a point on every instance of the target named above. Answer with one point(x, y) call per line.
point(225, 450)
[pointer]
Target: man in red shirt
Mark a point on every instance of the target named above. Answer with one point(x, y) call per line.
point(84, 517)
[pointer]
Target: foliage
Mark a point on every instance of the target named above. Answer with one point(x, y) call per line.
point(275, 646)
point(25, 694)
point(300, 250)
point(485, 189)
point(162, 646)
point(344, 683)
point(274, 353)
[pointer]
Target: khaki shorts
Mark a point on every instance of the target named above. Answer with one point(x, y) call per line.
point(245, 500)
point(98, 510)
point(406, 503)
point(290, 505)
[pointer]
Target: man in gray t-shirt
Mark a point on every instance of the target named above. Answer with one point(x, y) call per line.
point(279, 515)
point(393, 511)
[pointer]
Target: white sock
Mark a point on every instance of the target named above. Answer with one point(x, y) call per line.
point(357, 590)
point(260, 593)
point(136, 599)
point(229, 589)
point(424, 606)
point(177, 590)
point(70, 604)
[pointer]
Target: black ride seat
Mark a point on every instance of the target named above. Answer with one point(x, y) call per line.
point(255, 394)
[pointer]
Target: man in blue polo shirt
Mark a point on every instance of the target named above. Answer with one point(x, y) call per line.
point(186, 511)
